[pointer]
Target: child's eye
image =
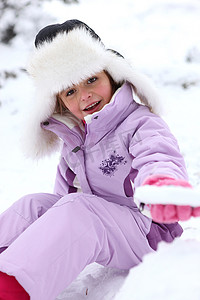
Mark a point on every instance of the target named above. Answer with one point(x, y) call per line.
point(70, 92)
point(92, 79)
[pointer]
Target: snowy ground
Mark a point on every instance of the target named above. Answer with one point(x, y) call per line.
point(161, 38)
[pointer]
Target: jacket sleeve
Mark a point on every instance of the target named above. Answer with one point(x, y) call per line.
point(154, 150)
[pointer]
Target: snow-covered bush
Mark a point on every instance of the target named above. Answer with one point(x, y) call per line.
point(22, 17)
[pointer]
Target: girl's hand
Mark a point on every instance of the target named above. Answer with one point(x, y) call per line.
point(170, 213)
point(173, 213)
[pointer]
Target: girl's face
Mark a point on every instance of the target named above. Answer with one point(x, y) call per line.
point(88, 96)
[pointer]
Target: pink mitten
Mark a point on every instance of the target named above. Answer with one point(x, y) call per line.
point(170, 213)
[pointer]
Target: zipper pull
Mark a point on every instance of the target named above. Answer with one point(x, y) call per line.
point(76, 149)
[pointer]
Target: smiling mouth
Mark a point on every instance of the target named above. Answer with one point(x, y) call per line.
point(92, 106)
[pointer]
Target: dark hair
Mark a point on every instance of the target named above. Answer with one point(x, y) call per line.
point(114, 84)
point(60, 107)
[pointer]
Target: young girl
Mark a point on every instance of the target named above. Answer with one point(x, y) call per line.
point(110, 145)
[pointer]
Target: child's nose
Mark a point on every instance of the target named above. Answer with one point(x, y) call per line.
point(85, 94)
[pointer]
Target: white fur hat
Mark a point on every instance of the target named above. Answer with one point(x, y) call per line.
point(66, 54)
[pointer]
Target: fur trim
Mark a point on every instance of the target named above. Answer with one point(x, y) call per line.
point(66, 60)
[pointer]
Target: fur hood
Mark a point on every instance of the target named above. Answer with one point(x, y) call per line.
point(67, 59)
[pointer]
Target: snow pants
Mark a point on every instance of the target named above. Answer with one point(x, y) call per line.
point(50, 239)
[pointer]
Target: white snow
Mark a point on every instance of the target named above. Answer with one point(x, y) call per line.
point(168, 274)
point(161, 39)
point(168, 195)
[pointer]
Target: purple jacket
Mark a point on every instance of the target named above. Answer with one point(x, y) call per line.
point(123, 143)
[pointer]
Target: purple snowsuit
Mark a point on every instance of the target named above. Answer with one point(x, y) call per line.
point(52, 237)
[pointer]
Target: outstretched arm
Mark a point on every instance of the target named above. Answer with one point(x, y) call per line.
point(155, 152)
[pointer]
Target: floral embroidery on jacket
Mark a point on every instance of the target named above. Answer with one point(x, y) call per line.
point(109, 165)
